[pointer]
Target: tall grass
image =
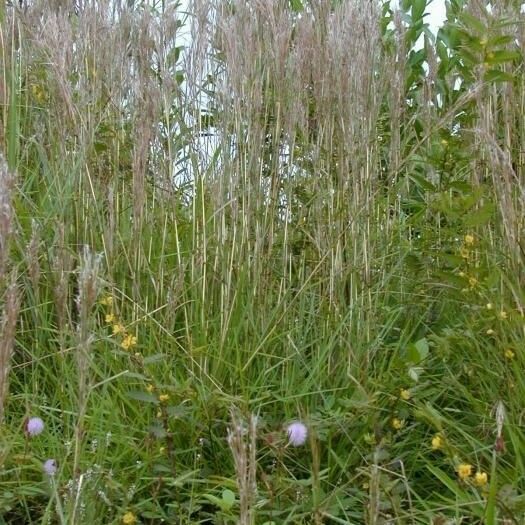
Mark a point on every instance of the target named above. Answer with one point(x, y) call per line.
point(299, 217)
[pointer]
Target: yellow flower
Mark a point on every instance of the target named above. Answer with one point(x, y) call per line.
point(128, 342)
point(164, 397)
point(503, 315)
point(39, 93)
point(397, 423)
point(489, 306)
point(469, 240)
point(107, 300)
point(159, 413)
point(472, 281)
point(150, 388)
point(405, 394)
point(509, 354)
point(118, 329)
point(464, 253)
point(129, 518)
point(162, 450)
point(490, 332)
point(480, 478)
point(462, 274)
point(110, 318)
point(437, 442)
point(464, 470)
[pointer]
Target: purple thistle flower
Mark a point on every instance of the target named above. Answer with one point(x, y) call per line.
point(34, 426)
point(50, 467)
point(297, 433)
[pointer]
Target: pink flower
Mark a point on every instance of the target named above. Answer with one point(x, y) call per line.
point(34, 426)
point(50, 467)
point(297, 433)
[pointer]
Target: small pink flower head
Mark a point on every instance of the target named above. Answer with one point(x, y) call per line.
point(50, 467)
point(297, 433)
point(34, 426)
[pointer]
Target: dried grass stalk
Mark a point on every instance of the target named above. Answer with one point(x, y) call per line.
point(242, 441)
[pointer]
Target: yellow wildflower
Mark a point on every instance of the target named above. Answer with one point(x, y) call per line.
point(480, 479)
point(162, 450)
point(164, 397)
point(110, 318)
point(118, 329)
point(107, 300)
point(39, 93)
point(462, 274)
point(490, 332)
point(464, 253)
point(464, 470)
point(489, 306)
point(472, 281)
point(509, 354)
point(159, 413)
point(503, 315)
point(469, 240)
point(150, 388)
point(128, 342)
point(129, 518)
point(437, 442)
point(397, 423)
point(405, 394)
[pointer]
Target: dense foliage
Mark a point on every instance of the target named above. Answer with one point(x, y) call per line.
point(262, 262)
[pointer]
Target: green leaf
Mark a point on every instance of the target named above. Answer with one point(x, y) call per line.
point(472, 23)
point(494, 75)
point(429, 414)
point(461, 186)
point(422, 182)
point(157, 431)
point(501, 40)
point(228, 497)
point(414, 372)
point(500, 57)
point(450, 483)
point(174, 55)
point(225, 503)
point(139, 395)
point(296, 5)
point(442, 50)
point(481, 216)
point(154, 358)
point(218, 502)
point(418, 351)
point(422, 347)
point(179, 411)
point(158, 468)
point(418, 9)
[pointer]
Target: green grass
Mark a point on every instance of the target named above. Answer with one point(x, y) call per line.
point(370, 285)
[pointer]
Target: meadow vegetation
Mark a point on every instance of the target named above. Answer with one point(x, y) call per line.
point(262, 263)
